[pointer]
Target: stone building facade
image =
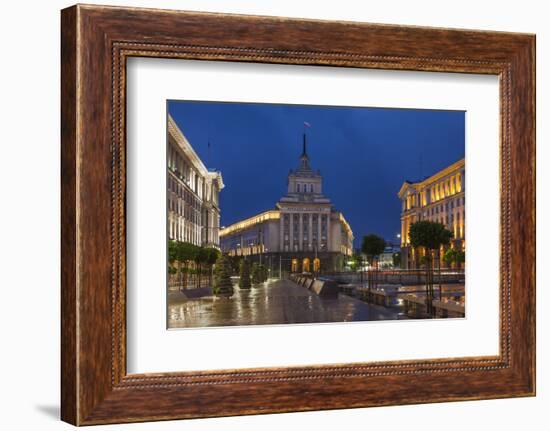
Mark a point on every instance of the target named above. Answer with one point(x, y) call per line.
point(193, 193)
point(303, 233)
point(439, 198)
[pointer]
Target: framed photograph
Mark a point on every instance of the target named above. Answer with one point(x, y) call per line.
point(265, 215)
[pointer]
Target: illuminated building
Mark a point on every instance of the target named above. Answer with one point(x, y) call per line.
point(303, 233)
point(439, 198)
point(193, 191)
point(386, 259)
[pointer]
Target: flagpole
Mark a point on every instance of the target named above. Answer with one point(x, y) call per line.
point(306, 126)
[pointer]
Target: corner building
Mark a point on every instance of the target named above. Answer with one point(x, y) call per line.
point(193, 193)
point(438, 198)
point(303, 233)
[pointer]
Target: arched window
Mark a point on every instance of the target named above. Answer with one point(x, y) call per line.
point(297, 188)
point(311, 188)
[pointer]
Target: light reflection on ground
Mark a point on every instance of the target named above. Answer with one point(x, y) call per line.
point(275, 302)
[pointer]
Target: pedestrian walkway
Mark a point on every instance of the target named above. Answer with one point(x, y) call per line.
point(275, 302)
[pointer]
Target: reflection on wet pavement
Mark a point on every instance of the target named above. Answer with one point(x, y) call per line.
point(274, 302)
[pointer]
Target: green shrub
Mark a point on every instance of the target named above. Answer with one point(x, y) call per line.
point(222, 277)
point(244, 281)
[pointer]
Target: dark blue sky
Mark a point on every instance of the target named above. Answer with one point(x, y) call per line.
point(364, 154)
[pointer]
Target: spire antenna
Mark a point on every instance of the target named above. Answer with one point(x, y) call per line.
point(304, 159)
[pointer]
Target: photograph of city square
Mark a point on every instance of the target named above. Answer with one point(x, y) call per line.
point(294, 214)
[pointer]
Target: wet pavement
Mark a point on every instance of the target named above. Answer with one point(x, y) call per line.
point(275, 302)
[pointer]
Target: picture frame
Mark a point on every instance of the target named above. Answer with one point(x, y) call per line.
point(96, 41)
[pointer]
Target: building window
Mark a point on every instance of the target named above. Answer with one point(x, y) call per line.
point(297, 188)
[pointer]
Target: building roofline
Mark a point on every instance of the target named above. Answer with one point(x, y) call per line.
point(187, 148)
point(405, 184)
point(255, 219)
point(433, 178)
point(217, 176)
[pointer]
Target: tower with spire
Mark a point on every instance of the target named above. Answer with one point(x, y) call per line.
point(304, 184)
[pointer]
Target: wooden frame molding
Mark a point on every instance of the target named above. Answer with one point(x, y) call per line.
point(95, 42)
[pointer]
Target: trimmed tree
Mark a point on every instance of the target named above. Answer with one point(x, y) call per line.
point(256, 276)
point(244, 280)
point(235, 264)
point(212, 256)
point(172, 257)
point(259, 273)
point(201, 258)
point(172, 252)
point(430, 236)
point(185, 253)
point(264, 273)
point(222, 277)
point(373, 246)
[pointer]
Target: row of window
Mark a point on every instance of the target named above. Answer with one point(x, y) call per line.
point(193, 180)
point(255, 238)
point(449, 218)
point(453, 219)
point(177, 164)
point(448, 187)
point(186, 211)
point(307, 247)
point(304, 188)
point(191, 213)
point(305, 225)
point(183, 192)
point(296, 218)
point(248, 238)
point(449, 205)
point(184, 232)
point(436, 192)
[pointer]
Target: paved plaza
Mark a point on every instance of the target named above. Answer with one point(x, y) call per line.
point(273, 303)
